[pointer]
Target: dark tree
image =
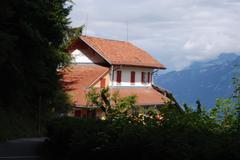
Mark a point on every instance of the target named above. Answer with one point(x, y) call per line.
point(199, 106)
point(31, 36)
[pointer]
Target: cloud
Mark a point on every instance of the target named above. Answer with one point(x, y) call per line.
point(175, 32)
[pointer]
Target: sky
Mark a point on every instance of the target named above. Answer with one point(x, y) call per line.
point(176, 32)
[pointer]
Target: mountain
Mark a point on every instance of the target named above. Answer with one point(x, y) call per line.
point(205, 81)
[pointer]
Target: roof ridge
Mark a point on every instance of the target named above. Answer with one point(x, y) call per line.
point(105, 39)
point(87, 64)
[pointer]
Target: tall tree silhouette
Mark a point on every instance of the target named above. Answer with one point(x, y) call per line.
point(31, 35)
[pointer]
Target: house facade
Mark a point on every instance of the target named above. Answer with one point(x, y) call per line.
point(119, 65)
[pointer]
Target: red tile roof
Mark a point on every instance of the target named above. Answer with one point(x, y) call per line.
point(145, 95)
point(121, 52)
point(78, 78)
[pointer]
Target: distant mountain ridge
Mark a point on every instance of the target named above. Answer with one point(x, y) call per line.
point(205, 81)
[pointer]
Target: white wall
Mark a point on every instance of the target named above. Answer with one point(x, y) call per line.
point(126, 76)
point(79, 57)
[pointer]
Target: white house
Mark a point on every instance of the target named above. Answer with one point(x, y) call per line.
point(119, 65)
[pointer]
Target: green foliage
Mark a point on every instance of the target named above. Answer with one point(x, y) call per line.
point(191, 135)
point(18, 125)
point(199, 109)
point(165, 133)
point(112, 105)
point(236, 94)
point(225, 112)
point(100, 99)
point(236, 82)
point(61, 102)
point(71, 35)
point(31, 36)
point(126, 104)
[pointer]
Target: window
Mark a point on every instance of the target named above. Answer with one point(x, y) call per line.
point(144, 77)
point(132, 77)
point(119, 76)
point(149, 77)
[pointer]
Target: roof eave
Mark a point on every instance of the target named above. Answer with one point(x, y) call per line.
point(95, 50)
point(142, 66)
point(149, 104)
point(97, 80)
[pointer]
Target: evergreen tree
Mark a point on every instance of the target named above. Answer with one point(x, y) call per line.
point(31, 36)
point(199, 106)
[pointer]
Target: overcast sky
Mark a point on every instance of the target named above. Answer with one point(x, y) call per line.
point(176, 32)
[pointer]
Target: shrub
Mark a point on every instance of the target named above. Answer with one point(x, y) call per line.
point(190, 136)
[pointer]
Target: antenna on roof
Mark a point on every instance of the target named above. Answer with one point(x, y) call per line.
point(86, 25)
point(127, 30)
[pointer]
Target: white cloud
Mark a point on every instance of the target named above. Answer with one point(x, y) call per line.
point(176, 32)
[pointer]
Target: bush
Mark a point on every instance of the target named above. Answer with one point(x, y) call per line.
point(16, 124)
point(186, 136)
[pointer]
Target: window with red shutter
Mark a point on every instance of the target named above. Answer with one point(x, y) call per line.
point(119, 76)
point(132, 77)
point(149, 77)
point(143, 77)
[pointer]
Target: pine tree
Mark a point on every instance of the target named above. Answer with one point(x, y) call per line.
point(31, 37)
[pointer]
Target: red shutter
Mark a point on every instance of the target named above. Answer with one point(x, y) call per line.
point(151, 77)
point(103, 83)
point(119, 76)
point(142, 77)
point(148, 77)
point(132, 77)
